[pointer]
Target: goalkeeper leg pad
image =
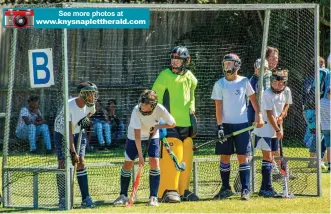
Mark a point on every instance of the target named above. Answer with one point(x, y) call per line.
point(185, 176)
point(170, 179)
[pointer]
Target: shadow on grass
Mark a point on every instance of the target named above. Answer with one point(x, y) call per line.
point(27, 209)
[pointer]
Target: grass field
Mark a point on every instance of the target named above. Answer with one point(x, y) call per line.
point(301, 204)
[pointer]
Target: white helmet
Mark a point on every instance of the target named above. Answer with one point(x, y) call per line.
point(257, 63)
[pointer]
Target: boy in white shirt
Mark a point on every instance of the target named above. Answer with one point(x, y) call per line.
point(274, 100)
point(80, 109)
point(230, 94)
point(325, 122)
point(145, 115)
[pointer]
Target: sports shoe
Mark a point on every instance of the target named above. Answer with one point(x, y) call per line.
point(271, 193)
point(87, 203)
point(261, 192)
point(323, 165)
point(225, 193)
point(245, 195)
point(189, 196)
point(121, 200)
point(153, 201)
point(62, 204)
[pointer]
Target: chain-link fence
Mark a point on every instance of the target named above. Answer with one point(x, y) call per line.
point(124, 62)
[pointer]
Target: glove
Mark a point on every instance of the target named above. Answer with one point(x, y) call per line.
point(163, 131)
point(220, 132)
point(84, 123)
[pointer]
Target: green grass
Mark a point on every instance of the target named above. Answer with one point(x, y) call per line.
point(233, 205)
point(107, 187)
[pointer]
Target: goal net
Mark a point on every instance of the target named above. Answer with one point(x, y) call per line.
point(124, 62)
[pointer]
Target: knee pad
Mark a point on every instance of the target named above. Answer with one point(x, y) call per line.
point(185, 176)
point(169, 180)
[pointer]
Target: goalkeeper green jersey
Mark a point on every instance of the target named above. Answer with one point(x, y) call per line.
point(181, 94)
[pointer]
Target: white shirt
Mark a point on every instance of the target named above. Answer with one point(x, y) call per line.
point(325, 113)
point(288, 96)
point(75, 115)
point(145, 123)
point(276, 103)
point(234, 100)
point(26, 113)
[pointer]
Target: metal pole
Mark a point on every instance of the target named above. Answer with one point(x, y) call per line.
point(5, 181)
point(259, 98)
point(66, 120)
point(317, 99)
point(264, 45)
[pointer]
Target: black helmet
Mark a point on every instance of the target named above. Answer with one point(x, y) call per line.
point(181, 52)
point(232, 57)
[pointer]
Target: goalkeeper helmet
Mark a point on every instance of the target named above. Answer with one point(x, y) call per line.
point(235, 59)
point(87, 90)
point(148, 97)
point(180, 52)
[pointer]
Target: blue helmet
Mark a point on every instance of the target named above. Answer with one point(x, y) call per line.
point(232, 57)
point(180, 52)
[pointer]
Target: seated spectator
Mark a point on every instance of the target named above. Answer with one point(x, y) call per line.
point(117, 126)
point(31, 124)
point(101, 125)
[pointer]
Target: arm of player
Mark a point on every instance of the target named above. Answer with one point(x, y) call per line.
point(219, 110)
point(284, 112)
point(192, 95)
point(164, 126)
point(74, 155)
point(273, 122)
point(289, 101)
point(258, 114)
point(137, 137)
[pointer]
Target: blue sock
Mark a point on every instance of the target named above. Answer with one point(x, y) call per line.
point(125, 181)
point(225, 175)
point(244, 173)
point(154, 182)
point(266, 175)
point(60, 181)
point(83, 182)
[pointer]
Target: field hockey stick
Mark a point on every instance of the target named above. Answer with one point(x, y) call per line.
point(284, 170)
point(179, 166)
point(135, 188)
point(137, 180)
point(225, 137)
point(75, 167)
